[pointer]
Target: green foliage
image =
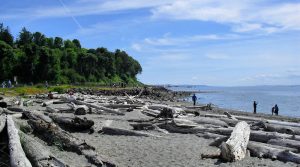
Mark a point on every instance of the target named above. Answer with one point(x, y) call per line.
point(60, 90)
point(35, 58)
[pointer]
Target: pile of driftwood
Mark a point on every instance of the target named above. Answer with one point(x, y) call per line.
point(236, 136)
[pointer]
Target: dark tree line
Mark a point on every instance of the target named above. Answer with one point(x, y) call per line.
point(33, 57)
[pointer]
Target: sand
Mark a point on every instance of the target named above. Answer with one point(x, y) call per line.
point(169, 150)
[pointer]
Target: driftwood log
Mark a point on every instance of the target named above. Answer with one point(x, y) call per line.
point(280, 128)
point(59, 110)
point(38, 154)
point(47, 103)
point(263, 151)
point(54, 135)
point(72, 124)
point(36, 115)
point(79, 109)
point(2, 122)
point(235, 147)
point(125, 132)
point(286, 143)
point(17, 155)
point(109, 110)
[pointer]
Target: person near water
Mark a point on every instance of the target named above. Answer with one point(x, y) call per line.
point(254, 107)
point(273, 110)
point(194, 98)
point(9, 84)
point(276, 109)
point(3, 84)
point(46, 84)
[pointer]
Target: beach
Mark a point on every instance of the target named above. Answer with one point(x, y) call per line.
point(159, 149)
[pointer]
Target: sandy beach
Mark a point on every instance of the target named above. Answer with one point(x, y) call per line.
point(172, 149)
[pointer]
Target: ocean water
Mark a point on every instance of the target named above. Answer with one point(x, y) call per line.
point(241, 98)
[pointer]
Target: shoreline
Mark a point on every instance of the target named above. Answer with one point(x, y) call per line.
point(160, 148)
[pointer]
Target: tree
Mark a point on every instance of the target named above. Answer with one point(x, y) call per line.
point(58, 42)
point(25, 37)
point(39, 39)
point(7, 61)
point(36, 58)
point(76, 42)
point(5, 35)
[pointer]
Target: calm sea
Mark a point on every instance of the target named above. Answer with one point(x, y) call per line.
point(241, 98)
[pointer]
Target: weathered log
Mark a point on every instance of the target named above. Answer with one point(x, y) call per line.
point(47, 103)
point(143, 126)
point(230, 116)
point(280, 128)
point(28, 103)
point(36, 115)
point(54, 135)
point(17, 155)
point(235, 147)
point(59, 110)
point(229, 121)
point(141, 120)
point(175, 110)
point(79, 109)
point(285, 143)
point(2, 122)
point(72, 124)
point(263, 151)
point(51, 110)
point(114, 106)
point(16, 109)
point(109, 110)
point(256, 149)
point(38, 154)
point(205, 120)
point(261, 136)
point(125, 132)
point(150, 112)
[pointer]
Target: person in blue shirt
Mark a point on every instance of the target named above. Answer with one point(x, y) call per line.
point(194, 98)
point(254, 107)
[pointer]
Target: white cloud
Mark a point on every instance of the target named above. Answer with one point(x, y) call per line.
point(205, 10)
point(136, 47)
point(217, 56)
point(243, 16)
point(185, 40)
point(83, 8)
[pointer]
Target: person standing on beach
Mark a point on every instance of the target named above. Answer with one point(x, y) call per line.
point(254, 107)
point(273, 110)
point(194, 98)
point(276, 109)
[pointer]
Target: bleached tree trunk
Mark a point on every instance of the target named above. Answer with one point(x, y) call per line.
point(125, 132)
point(260, 150)
point(236, 146)
point(16, 152)
point(38, 154)
point(109, 110)
point(2, 122)
point(73, 124)
point(53, 134)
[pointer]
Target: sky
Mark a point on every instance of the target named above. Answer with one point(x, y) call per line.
point(199, 42)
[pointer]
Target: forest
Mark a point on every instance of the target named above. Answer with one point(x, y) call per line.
point(34, 58)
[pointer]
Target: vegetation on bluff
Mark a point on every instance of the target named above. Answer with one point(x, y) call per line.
point(35, 58)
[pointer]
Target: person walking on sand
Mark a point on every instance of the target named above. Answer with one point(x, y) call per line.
point(276, 109)
point(254, 107)
point(194, 98)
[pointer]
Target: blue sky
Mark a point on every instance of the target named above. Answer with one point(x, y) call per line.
point(212, 42)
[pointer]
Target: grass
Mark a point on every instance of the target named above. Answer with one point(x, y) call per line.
point(38, 89)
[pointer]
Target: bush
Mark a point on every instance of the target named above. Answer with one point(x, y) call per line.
point(59, 90)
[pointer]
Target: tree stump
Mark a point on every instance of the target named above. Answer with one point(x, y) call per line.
point(235, 148)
